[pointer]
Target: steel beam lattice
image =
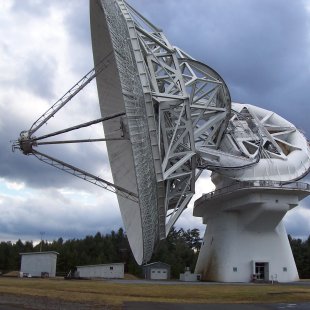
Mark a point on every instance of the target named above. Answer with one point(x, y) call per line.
point(188, 103)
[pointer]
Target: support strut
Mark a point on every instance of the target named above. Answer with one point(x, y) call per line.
point(27, 141)
point(86, 79)
point(82, 174)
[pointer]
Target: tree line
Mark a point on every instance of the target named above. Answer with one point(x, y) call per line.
point(301, 252)
point(180, 249)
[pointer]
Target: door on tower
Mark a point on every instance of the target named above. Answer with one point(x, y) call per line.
point(262, 271)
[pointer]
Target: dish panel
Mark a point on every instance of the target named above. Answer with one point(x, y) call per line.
point(120, 90)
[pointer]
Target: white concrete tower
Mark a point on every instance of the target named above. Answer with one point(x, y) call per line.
point(245, 239)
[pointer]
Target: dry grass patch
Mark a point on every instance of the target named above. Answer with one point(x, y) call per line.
point(105, 292)
point(129, 276)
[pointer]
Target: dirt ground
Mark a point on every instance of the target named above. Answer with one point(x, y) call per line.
point(16, 302)
point(20, 302)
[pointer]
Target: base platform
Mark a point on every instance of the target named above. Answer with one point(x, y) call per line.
point(245, 239)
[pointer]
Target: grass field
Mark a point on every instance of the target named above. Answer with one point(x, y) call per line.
point(114, 294)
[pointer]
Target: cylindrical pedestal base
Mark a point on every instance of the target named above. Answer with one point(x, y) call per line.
point(245, 239)
point(229, 254)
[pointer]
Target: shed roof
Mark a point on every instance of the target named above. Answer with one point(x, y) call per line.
point(37, 253)
point(97, 265)
point(156, 263)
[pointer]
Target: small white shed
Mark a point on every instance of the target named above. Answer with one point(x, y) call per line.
point(108, 271)
point(39, 264)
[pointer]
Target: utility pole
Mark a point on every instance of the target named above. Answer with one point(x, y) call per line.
point(41, 233)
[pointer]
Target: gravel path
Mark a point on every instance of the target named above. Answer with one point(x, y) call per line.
point(18, 302)
point(167, 306)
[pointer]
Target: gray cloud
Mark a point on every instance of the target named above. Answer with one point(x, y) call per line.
point(31, 8)
point(260, 48)
point(39, 76)
point(57, 216)
point(16, 166)
point(297, 224)
point(77, 22)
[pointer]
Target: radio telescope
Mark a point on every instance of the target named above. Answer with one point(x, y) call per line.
point(177, 119)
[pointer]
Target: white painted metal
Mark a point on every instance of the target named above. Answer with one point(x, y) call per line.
point(245, 232)
point(171, 101)
point(279, 151)
point(178, 118)
point(37, 262)
point(119, 89)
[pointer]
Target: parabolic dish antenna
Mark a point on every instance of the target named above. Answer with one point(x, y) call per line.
point(170, 101)
point(166, 118)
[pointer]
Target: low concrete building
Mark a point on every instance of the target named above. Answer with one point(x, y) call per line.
point(156, 271)
point(39, 264)
point(187, 276)
point(107, 271)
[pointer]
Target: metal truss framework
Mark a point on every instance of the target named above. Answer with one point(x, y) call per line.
point(187, 104)
point(188, 107)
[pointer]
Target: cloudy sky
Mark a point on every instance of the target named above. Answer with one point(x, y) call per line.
point(260, 47)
